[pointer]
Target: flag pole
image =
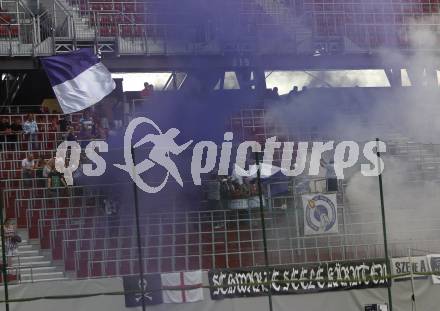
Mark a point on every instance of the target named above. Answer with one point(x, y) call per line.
point(413, 296)
point(138, 236)
point(4, 259)
point(263, 228)
point(384, 229)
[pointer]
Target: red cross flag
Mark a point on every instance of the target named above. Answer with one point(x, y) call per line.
point(182, 287)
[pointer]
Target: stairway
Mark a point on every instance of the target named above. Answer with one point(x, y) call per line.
point(294, 28)
point(33, 264)
point(82, 26)
point(82, 29)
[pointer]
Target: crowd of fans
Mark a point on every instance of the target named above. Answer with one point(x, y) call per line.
point(238, 188)
point(224, 188)
point(9, 132)
point(28, 130)
point(273, 94)
point(221, 191)
point(91, 127)
point(98, 124)
point(44, 171)
point(24, 134)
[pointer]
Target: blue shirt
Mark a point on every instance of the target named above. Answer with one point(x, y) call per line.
point(30, 127)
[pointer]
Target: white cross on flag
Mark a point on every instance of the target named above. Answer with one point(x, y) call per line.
point(182, 287)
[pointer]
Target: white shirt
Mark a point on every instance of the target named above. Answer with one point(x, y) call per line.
point(27, 164)
point(86, 122)
point(46, 171)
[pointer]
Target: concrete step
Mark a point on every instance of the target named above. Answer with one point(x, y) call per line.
point(80, 22)
point(23, 242)
point(41, 276)
point(30, 258)
point(27, 253)
point(23, 247)
point(39, 269)
point(33, 264)
point(85, 30)
point(45, 280)
point(82, 26)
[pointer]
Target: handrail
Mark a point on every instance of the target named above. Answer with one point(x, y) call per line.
point(41, 34)
point(5, 21)
point(70, 20)
point(61, 5)
point(24, 6)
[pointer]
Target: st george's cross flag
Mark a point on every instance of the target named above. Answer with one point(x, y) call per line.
point(181, 287)
point(79, 79)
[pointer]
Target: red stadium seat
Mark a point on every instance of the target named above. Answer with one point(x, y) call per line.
point(5, 19)
point(118, 7)
point(104, 31)
point(107, 7)
point(139, 31)
point(4, 31)
point(127, 31)
point(139, 19)
point(105, 19)
point(129, 8)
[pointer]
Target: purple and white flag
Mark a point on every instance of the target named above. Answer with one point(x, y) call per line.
point(78, 79)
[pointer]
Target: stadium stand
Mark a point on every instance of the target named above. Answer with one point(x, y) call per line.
point(90, 234)
point(106, 16)
point(367, 24)
point(7, 28)
point(161, 27)
point(68, 234)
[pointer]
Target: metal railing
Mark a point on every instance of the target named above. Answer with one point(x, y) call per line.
point(17, 29)
point(182, 240)
point(122, 27)
point(20, 109)
point(16, 273)
point(39, 145)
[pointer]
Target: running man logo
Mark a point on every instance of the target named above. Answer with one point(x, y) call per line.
point(163, 145)
point(206, 157)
